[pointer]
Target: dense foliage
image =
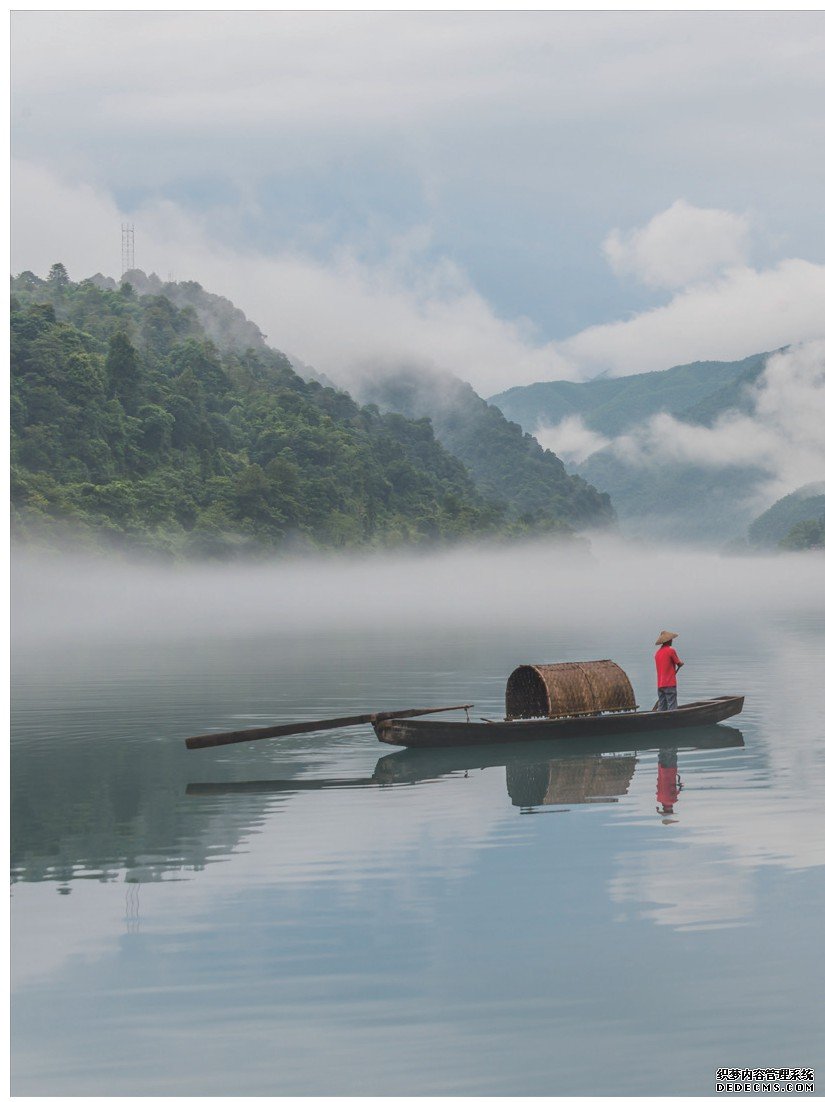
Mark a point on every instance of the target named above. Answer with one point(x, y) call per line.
point(506, 464)
point(131, 427)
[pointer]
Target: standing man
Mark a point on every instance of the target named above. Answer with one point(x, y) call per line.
point(667, 663)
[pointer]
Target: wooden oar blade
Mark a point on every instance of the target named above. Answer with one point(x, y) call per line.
point(252, 734)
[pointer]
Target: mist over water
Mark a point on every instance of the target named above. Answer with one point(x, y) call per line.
point(533, 583)
point(324, 915)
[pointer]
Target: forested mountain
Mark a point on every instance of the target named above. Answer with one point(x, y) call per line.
point(131, 427)
point(506, 464)
point(775, 525)
point(612, 406)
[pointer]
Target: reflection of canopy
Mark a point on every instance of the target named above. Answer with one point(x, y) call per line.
point(568, 689)
point(569, 782)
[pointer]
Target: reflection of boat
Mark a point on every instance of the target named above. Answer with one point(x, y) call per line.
point(434, 733)
point(593, 779)
point(537, 773)
point(406, 767)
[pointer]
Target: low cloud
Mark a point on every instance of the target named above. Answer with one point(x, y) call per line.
point(680, 245)
point(743, 311)
point(571, 439)
point(404, 303)
point(334, 313)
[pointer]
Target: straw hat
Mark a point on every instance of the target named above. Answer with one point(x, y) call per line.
point(666, 637)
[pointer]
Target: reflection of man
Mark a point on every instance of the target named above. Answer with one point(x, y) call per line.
point(669, 783)
point(667, 663)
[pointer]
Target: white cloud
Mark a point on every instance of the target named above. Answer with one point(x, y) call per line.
point(571, 439)
point(502, 132)
point(54, 220)
point(207, 78)
point(408, 305)
point(333, 314)
point(733, 440)
point(743, 311)
point(680, 245)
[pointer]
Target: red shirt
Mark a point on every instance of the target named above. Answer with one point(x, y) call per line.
point(666, 662)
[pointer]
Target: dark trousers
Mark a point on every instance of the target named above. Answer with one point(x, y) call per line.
point(667, 698)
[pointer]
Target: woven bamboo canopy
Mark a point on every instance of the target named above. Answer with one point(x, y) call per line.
point(570, 782)
point(569, 689)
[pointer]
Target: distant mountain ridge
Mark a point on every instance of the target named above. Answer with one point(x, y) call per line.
point(612, 405)
point(735, 395)
point(659, 498)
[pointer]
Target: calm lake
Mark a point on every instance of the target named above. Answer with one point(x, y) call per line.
point(324, 915)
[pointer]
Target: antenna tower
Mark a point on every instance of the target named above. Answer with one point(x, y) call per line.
point(127, 248)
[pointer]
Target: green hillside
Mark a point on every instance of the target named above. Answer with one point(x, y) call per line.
point(775, 524)
point(506, 464)
point(131, 428)
point(612, 405)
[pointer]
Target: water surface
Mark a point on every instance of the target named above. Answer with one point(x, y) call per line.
point(325, 915)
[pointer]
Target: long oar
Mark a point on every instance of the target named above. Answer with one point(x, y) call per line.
point(250, 734)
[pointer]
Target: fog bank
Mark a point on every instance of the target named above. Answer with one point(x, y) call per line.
point(69, 599)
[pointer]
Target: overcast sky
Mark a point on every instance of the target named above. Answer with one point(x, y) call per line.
point(514, 196)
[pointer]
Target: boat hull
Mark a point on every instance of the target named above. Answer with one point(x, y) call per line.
point(436, 733)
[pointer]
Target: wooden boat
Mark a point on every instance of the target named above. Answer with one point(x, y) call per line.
point(562, 700)
point(437, 733)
